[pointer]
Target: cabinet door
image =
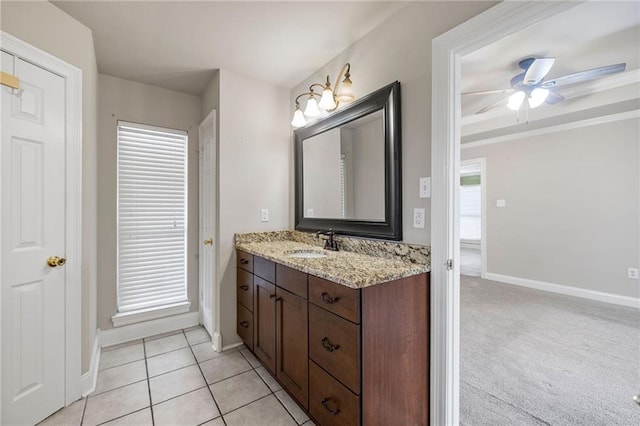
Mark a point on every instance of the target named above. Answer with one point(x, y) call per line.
point(291, 335)
point(264, 329)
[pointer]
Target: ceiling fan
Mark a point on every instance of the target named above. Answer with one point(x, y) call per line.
point(531, 85)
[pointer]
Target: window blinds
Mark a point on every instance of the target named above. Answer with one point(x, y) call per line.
point(152, 216)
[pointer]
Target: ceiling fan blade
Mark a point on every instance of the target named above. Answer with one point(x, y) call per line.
point(584, 75)
point(538, 69)
point(489, 92)
point(553, 98)
point(490, 106)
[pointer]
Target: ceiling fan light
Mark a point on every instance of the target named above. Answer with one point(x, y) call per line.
point(312, 109)
point(515, 100)
point(537, 97)
point(327, 102)
point(298, 118)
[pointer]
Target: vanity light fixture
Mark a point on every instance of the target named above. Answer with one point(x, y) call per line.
point(329, 100)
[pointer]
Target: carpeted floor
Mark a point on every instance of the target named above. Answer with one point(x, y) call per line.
point(530, 357)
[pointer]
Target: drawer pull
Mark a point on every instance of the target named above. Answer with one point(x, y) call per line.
point(244, 287)
point(244, 324)
point(243, 261)
point(328, 299)
point(326, 344)
point(278, 299)
point(334, 411)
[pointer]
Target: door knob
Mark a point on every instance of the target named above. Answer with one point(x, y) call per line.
point(208, 242)
point(636, 398)
point(54, 261)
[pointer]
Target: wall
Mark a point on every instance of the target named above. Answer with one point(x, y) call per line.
point(253, 173)
point(400, 49)
point(572, 206)
point(48, 28)
point(120, 99)
point(368, 171)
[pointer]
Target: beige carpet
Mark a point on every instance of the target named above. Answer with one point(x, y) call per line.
point(530, 357)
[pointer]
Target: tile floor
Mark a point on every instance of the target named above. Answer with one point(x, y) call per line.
point(178, 379)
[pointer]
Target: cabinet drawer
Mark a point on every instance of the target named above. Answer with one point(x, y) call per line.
point(244, 260)
point(330, 403)
point(245, 289)
point(334, 344)
point(264, 269)
point(336, 298)
point(292, 280)
point(245, 325)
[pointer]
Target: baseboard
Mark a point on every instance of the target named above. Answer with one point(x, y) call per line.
point(140, 330)
point(216, 341)
point(632, 302)
point(231, 346)
point(89, 379)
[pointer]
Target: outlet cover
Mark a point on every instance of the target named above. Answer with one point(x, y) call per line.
point(501, 203)
point(418, 218)
point(264, 215)
point(310, 213)
point(425, 187)
point(632, 273)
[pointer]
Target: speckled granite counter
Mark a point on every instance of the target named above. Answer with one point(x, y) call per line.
point(349, 268)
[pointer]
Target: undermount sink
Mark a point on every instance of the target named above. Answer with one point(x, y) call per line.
point(306, 254)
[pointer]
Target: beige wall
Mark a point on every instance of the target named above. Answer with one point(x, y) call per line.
point(253, 173)
point(400, 49)
point(46, 27)
point(572, 206)
point(120, 99)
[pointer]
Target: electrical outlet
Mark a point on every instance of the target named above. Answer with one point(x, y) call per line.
point(425, 187)
point(501, 203)
point(632, 273)
point(310, 213)
point(418, 218)
point(264, 213)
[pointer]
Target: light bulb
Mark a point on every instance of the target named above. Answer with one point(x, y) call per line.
point(298, 119)
point(327, 102)
point(537, 97)
point(311, 109)
point(345, 93)
point(515, 100)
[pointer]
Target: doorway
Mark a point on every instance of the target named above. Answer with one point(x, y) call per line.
point(473, 234)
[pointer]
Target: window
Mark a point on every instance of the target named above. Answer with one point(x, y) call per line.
point(152, 217)
point(470, 208)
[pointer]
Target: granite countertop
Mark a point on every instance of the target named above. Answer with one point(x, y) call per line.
point(350, 269)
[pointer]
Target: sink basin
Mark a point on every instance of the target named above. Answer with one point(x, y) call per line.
point(307, 254)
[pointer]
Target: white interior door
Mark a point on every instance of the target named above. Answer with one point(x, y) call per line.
point(32, 227)
point(207, 221)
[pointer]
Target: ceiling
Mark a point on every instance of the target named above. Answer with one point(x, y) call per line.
point(179, 44)
point(590, 35)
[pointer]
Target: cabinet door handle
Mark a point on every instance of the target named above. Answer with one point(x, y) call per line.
point(325, 404)
point(244, 287)
point(243, 261)
point(271, 296)
point(278, 299)
point(244, 324)
point(328, 299)
point(326, 344)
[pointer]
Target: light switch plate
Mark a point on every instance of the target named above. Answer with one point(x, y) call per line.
point(425, 187)
point(418, 218)
point(501, 203)
point(632, 273)
point(264, 213)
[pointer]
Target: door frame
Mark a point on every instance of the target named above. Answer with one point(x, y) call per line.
point(447, 51)
point(73, 223)
point(483, 211)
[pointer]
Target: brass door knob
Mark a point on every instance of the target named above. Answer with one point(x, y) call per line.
point(208, 242)
point(54, 261)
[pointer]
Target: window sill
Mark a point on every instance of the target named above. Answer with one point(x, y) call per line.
point(142, 315)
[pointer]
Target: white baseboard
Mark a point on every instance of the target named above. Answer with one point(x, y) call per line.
point(231, 346)
point(126, 333)
point(216, 341)
point(89, 379)
point(599, 296)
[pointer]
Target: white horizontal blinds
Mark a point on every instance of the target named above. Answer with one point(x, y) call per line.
point(152, 213)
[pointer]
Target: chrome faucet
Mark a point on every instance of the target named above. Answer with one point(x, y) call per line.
point(329, 243)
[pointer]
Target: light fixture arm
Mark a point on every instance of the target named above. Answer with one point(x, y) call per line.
point(346, 68)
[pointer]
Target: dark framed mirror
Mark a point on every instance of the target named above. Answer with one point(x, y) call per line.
point(348, 169)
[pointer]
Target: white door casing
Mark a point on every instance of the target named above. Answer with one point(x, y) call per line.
point(40, 216)
point(447, 52)
point(208, 229)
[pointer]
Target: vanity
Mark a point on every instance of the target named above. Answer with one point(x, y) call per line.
point(346, 334)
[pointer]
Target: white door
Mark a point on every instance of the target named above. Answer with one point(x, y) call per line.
point(207, 221)
point(32, 227)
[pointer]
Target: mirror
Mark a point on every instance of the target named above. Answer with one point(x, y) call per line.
point(348, 169)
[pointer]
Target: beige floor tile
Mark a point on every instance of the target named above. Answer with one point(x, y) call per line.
point(139, 418)
point(122, 355)
point(169, 361)
point(68, 416)
point(175, 383)
point(204, 351)
point(116, 377)
point(165, 344)
point(197, 335)
point(121, 345)
point(268, 379)
point(239, 390)
point(264, 412)
point(116, 403)
point(223, 367)
point(292, 407)
point(192, 408)
point(215, 422)
point(250, 357)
